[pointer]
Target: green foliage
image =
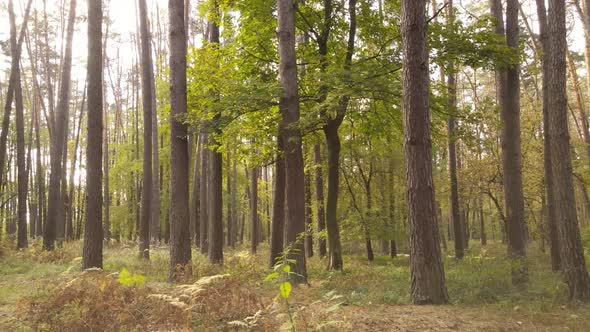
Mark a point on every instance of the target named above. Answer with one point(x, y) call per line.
point(127, 279)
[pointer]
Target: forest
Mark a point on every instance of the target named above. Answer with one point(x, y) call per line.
point(294, 165)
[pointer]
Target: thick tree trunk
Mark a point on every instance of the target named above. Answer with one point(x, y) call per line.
point(426, 268)
point(147, 100)
point(180, 242)
point(93, 233)
point(289, 107)
point(573, 264)
point(155, 203)
point(319, 196)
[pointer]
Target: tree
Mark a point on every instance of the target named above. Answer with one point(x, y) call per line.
point(573, 264)
point(216, 167)
point(147, 100)
point(180, 243)
point(93, 232)
point(58, 142)
point(22, 240)
point(278, 208)
point(319, 195)
point(289, 108)
point(451, 124)
point(548, 172)
point(508, 95)
point(426, 268)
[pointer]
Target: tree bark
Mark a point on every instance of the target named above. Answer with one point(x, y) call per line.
point(180, 243)
point(508, 95)
point(278, 208)
point(451, 125)
point(55, 202)
point(426, 268)
point(547, 159)
point(204, 197)
point(216, 168)
point(573, 264)
point(319, 196)
point(254, 210)
point(93, 232)
point(147, 100)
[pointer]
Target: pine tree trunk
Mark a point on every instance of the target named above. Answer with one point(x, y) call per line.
point(308, 217)
point(55, 201)
point(573, 264)
point(147, 100)
point(426, 268)
point(204, 196)
point(216, 177)
point(93, 232)
point(254, 211)
point(180, 242)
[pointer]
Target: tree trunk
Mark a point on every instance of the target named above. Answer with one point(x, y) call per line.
point(204, 199)
point(319, 195)
point(508, 95)
point(22, 239)
point(155, 203)
point(278, 208)
point(55, 202)
point(93, 233)
point(195, 198)
point(573, 264)
point(180, 242)
point(426, 268)
point(216, 177)
point(289, 107)
point(254, 210)
point(147, 100)
point(308, 217)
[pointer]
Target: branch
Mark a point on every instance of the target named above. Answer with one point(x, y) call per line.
point(437, 12)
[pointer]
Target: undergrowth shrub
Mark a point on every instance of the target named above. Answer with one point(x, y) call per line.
point(96, 301)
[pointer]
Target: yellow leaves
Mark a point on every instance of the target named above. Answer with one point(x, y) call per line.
point(127, 279)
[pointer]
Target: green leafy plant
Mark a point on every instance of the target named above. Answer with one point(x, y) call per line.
point(282, 273)
point(127, 279)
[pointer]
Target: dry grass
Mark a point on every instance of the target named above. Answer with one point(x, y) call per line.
point(47, 292)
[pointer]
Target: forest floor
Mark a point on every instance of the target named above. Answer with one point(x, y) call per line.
point(48, 292)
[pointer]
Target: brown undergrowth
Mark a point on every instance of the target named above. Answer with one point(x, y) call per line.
point(97, 301)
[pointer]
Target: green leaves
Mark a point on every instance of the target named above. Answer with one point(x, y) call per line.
point(126, 279)
point(285, 289)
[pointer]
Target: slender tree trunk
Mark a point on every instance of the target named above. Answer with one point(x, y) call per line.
point(180, 242)
point(254, 211)
point(55, 203)
point(204, 199)
point(508, 92)
point(319, 195)
point(278, 208)
point(451, 124)
point(426, 268)
point(572, 253)
point(216, 176)
point(308, 217)
point(155, 203)
point(93, 232)
point(22, 239)
point(195, 208)
point(147, 100)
